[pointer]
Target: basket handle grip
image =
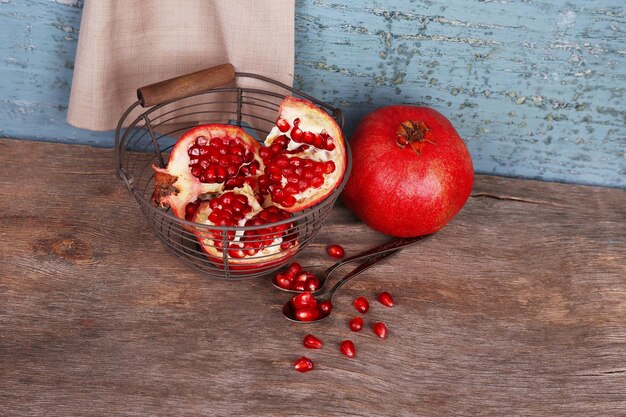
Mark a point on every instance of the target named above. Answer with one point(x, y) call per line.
point(185, 85)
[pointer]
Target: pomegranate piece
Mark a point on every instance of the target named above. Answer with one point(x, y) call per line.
point(312, 342)
point(361, 304)
point(304, 158)
point(303, 364)
point(385, 299)
point(262, 246)
point(347, 348)
point(380, 329)
point(356, 324)
point(335, 251)
point(207, 159)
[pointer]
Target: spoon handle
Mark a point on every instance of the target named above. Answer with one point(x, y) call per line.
point(362, 267)
point(390, 246)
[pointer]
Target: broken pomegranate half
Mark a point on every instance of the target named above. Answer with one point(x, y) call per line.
point(305, 156)
point(207, 159)
point(257, 246)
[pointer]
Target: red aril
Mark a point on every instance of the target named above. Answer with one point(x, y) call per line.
point(385, 299)
point(312, 342)
point(361, 304)
point(411, 172)
point(294, 269)
point(303, 364)
point(325, 308)
point(282, 281)
point(262, 246)
point(303, 300)
point(347, 348)
point(313, 283)
point(207, 159)
point(380, 329)
point(307, 314)
point(356, 324)
point(305, 156)
point(335, 251)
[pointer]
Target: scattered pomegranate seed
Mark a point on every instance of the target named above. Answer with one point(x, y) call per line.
point(385, 299)
point(312, 342)
point(380, 329)
point(335, 251)
point(361, 304)
point(347, 348)
point(303, 364)
point(356, 324)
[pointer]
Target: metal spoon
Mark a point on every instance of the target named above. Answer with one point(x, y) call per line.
point(288, 310)
point(390, 246)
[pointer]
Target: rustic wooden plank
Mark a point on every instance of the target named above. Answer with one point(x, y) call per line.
point(518, 307)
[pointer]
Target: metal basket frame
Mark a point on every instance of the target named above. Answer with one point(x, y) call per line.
point(181, 236)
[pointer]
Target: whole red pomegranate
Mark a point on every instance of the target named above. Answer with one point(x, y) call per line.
point(411, 172)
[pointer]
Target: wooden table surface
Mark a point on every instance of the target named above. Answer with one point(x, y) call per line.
point(517, 307)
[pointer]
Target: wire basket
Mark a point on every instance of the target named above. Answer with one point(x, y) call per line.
point(150, 127)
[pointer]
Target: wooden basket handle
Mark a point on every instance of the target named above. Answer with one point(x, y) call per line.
point(185, 85)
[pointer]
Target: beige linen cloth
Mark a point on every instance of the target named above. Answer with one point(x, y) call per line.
point(126, 44)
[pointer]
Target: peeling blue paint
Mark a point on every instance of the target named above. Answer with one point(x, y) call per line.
point(536, 88)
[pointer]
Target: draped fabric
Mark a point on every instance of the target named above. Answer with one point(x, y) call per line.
point(124, 45)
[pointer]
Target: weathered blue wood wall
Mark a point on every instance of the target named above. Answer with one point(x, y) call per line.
point(536, 88)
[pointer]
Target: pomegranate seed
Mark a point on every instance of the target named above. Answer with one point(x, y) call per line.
point(296, 135)
point(380, 329)
point(307, 314)
point(356, 324)
point(301, 278)
point(282, 125)
point(312, 284)
point(385, 299)
point(303, 300)
point(347, 348)
point(361, 304)
point(294, 269)
point(282, 281)
point(312, 342)
point(303, 364)
point(298, 287)
point(296, 122)
point(335, 251)
point(325, 307)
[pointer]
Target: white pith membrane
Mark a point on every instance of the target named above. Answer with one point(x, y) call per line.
point(207, 241)
point(315, 120)
point(187, 188)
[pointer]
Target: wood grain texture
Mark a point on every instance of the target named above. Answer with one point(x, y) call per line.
point(535, 87)
point(517, 307)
